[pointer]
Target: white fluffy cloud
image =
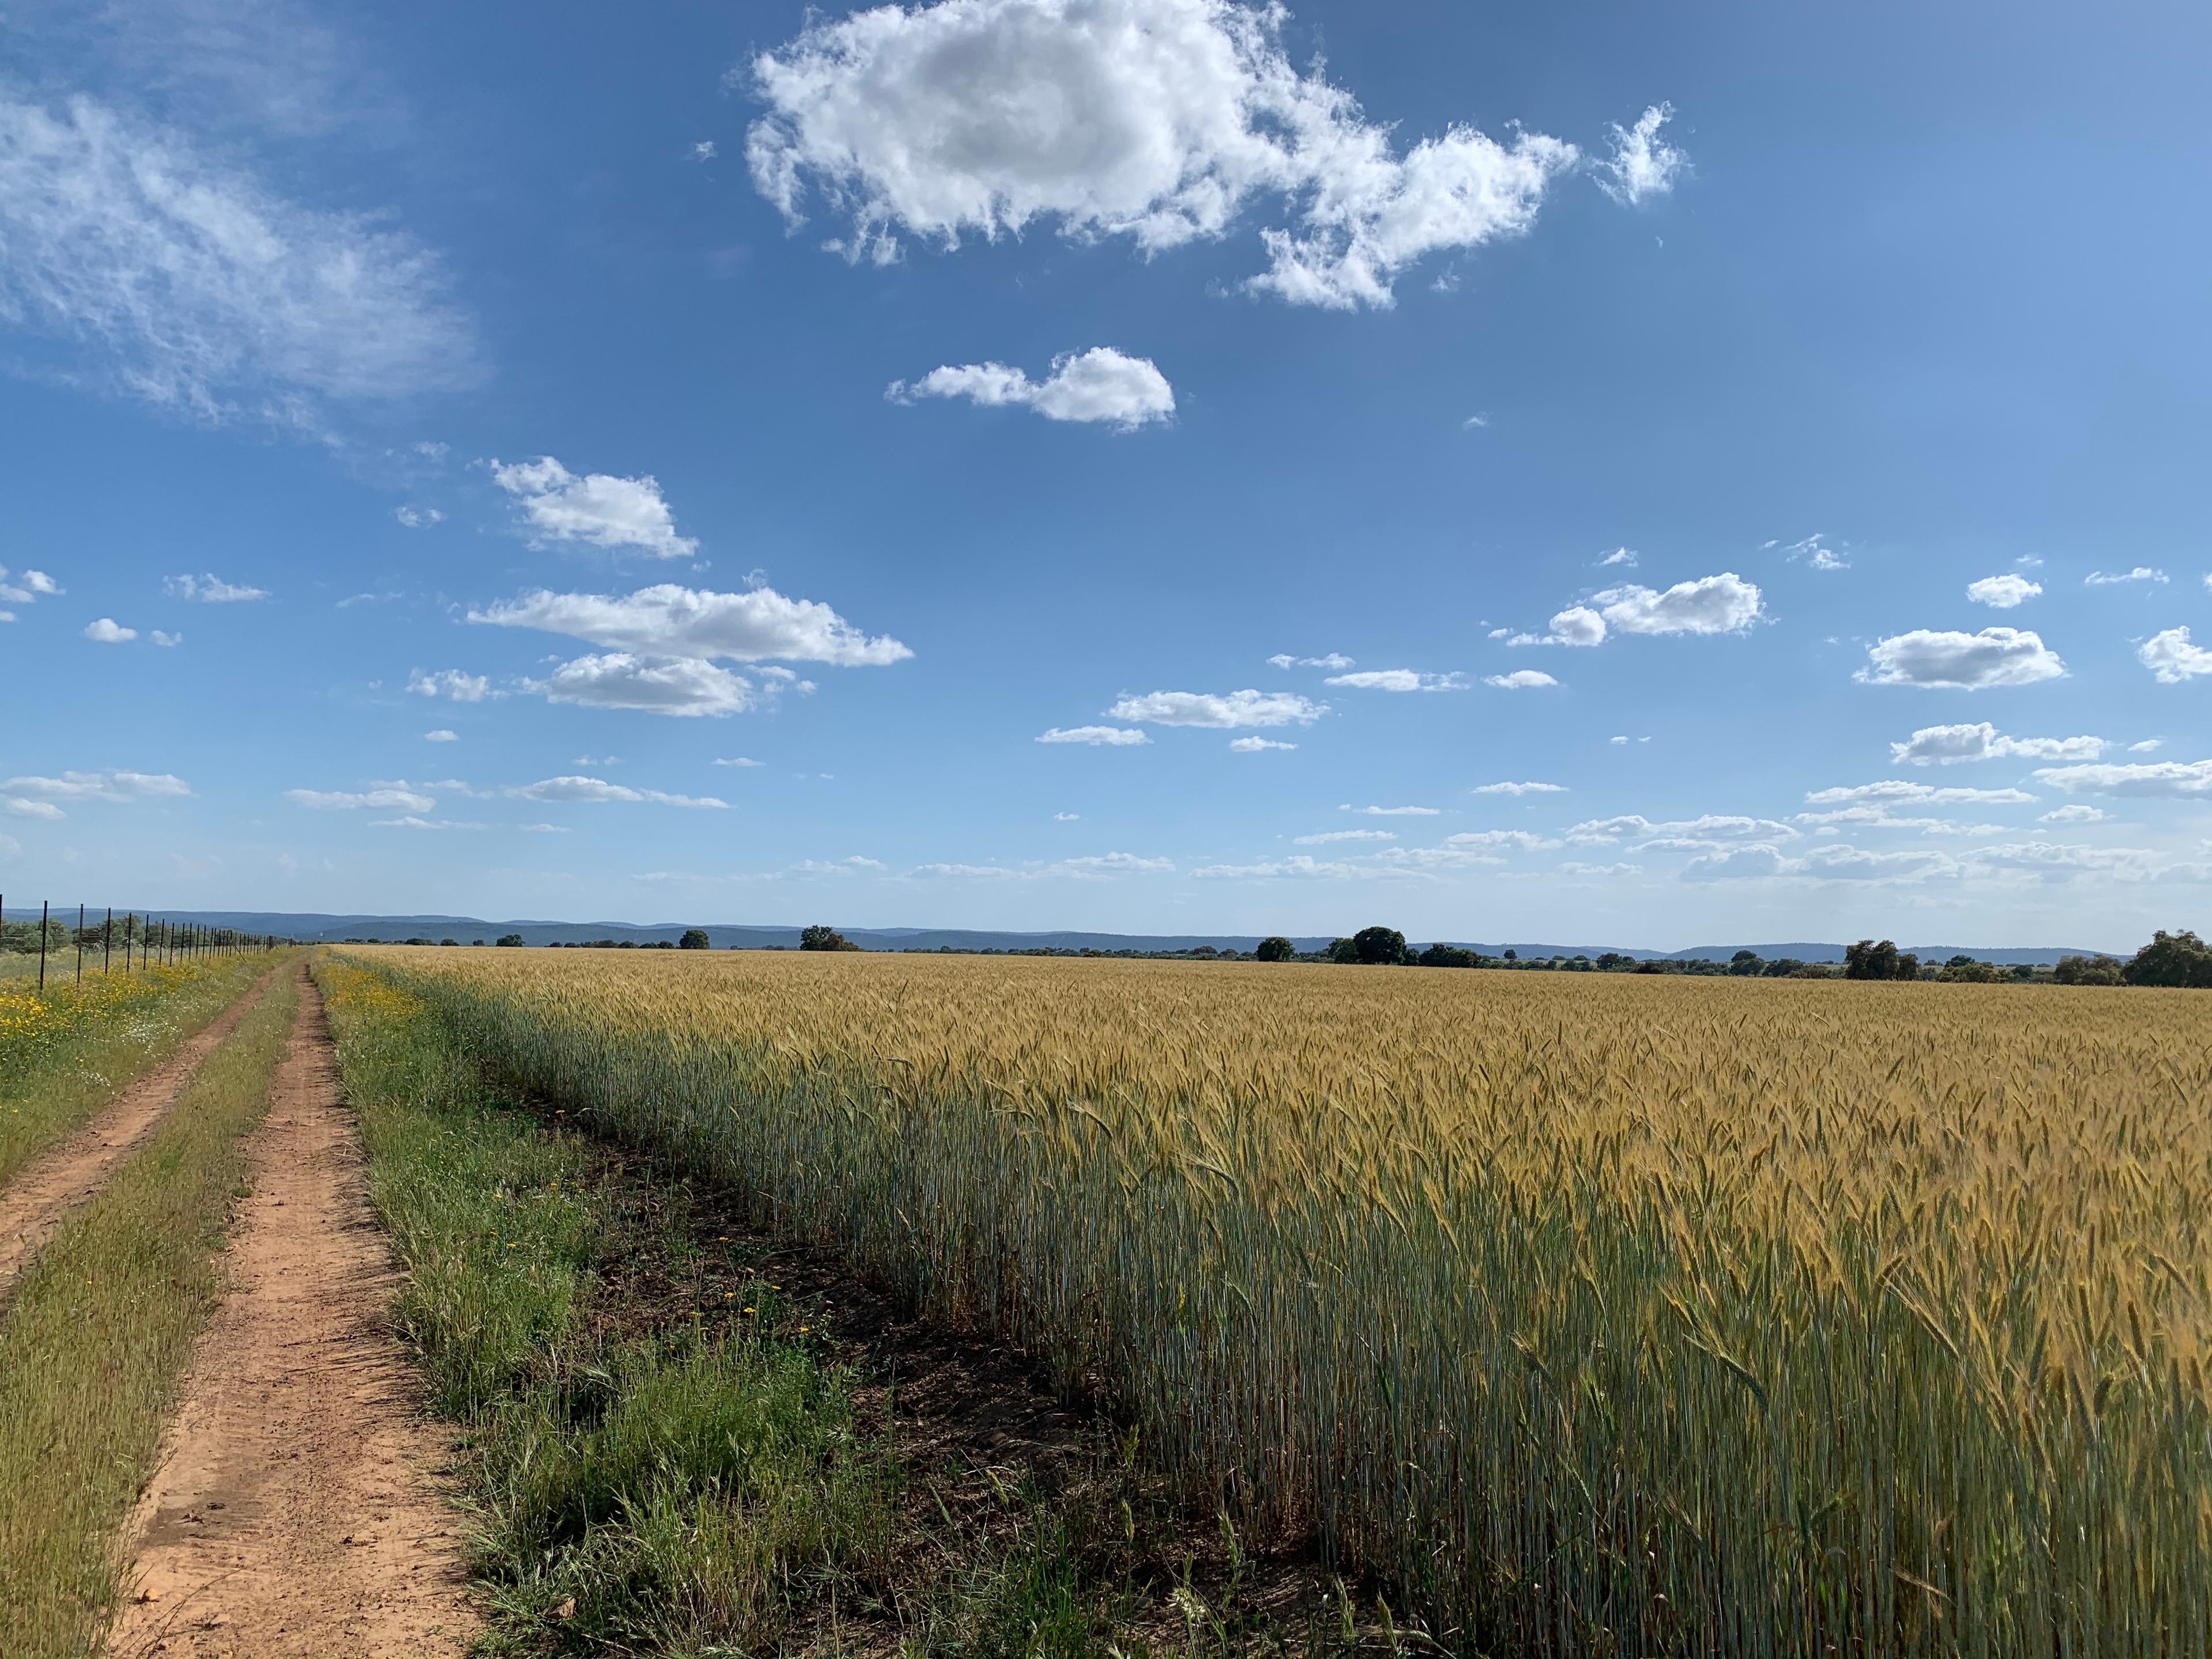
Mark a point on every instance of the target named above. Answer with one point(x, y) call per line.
point(178, 278)
point(1335, 659)
point(1100, 384)
point(2003, 592)
point(450, 683)
point(1396, 679)
point(670, 621)
point(27, 589)
point(2142, 573)
point(1642, 164)
point(2184, 779)
point(108, 631)
point(1686, 832)
point(1711, 605)
point(1946, 746)
point(1156, 120)
point(1111, 737)
point(393, 798)
point(18, 807)
point(1520, 789)
point(1520, 679)
point(1897, 792)
point(1969, 662)
point(688, 687)
point(441, 735)
point(2171, 658)
point(595, 791)
point(1255, 745)
point(1740, 863)
point(1577, 625)
point(598, 507)
point(2076, 813)
point(1217, 709)
point(211, 590)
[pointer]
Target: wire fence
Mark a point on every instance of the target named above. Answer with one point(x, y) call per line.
point(104, 942)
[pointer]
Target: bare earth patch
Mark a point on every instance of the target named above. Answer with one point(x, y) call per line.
point(296, 1514)
point(40, 1198)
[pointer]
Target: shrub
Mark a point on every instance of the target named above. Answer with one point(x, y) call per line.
point(2089, 970)
point(695, 938)
point(510, 940)
point(1275, 948)
point(818, 938)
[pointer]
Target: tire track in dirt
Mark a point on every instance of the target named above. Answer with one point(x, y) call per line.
point(295, 1513)
point(44, 1191)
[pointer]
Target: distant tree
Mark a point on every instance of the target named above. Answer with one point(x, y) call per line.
point(1908, 966)
point(1746, 963)
point(510, 938)
point(818, 938)
point(1448, 956)
point(1867, 960)
point(1781, 968)
point(419, 940)
point(2090, 970)
point(476, 941)
point(1380, 947)
point(695, 938)
point(2172, 959)
point(1275, 948)
point(1965, 970)
point(1512, 955)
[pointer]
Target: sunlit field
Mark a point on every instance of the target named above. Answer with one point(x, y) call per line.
point(1592, 1314)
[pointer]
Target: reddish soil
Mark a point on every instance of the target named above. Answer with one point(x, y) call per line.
point(42, 1194)
point(296, 1514)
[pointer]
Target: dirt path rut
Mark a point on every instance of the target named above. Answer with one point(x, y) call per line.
point(294, 1514)
point(42, 1194)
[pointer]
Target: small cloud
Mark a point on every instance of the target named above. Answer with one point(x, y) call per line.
point(1472, 421)
point(20, 808)
point(1620, 741)
point(1620, 556)
point(1100, 384)
point(704, 151)
point(740, 760)
point(1329, 837)
point(2142, 573)
point(1642, 165)
point(1944, 657)
point(211, 590)
point(1816, 554)
point(1397, 679)
point(2171, 658)
point(2076, 814)
point(596, 509)
point(441, 735)
point(1526, 788)
point(1391, 812)
point(166, 640)
point(1110, 737)
point(1334, 661)
point(1520, 679)
point(419, 518)
point(1255, 745)
point(452, 684)
point(108, 631)
point(2003, 592)
point(2146, 746)
point(1066, 817)
point(27, 588)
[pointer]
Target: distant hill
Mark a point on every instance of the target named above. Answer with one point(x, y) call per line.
point(728, 936)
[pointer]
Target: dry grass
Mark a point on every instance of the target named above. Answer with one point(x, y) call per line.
point(1613, 1316)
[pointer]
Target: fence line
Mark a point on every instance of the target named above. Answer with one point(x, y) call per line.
point(141, 940)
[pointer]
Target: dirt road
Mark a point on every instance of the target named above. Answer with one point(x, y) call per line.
point(295, 1513)
point(42, 1194)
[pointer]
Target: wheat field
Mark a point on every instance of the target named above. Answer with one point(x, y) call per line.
point(1593, 1315)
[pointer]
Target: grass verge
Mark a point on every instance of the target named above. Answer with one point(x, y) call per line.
point(670, 1453)
point(93, 1343)
point(67, 1053)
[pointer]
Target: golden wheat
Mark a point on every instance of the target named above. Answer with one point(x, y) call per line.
point(1604, 1314)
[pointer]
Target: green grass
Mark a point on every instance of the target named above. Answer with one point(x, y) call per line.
point(97, 1335)
point(65, 1056)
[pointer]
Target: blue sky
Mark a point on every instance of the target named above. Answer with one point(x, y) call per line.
point(1630, 474)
